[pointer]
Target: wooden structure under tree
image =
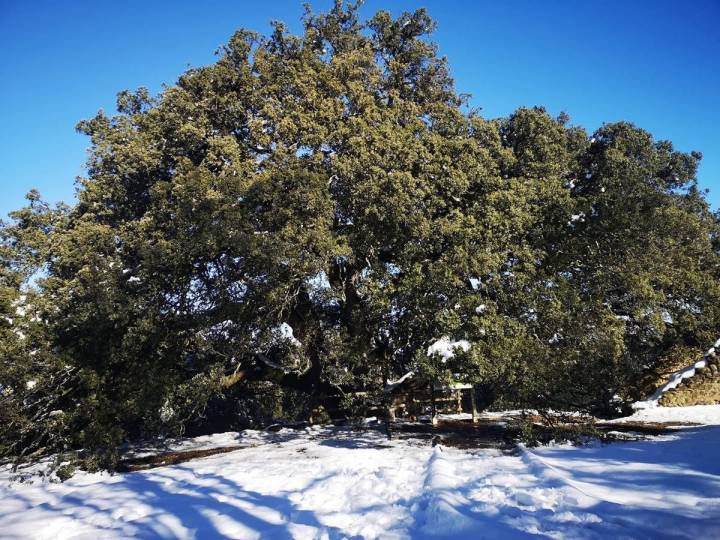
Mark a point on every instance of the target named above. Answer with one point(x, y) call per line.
point(413, 400)
point(455, 389)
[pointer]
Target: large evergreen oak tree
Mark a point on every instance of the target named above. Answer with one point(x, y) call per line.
point(311, 213)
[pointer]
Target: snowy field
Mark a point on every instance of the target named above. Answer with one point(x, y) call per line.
point(325, 483)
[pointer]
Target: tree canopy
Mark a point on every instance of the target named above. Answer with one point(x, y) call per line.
point(309, 214)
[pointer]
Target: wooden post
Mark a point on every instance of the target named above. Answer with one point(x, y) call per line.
point(389, 418)
point(458, 401)
point(474, 405)
point(433, 407)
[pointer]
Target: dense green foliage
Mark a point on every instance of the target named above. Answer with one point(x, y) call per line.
point(306, 216)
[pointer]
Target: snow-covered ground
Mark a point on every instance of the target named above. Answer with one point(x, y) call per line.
point(325, 483)
point(696, 414)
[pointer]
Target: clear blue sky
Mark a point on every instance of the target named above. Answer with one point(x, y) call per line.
point(653, 62)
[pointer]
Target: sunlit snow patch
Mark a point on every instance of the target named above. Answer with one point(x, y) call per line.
point(446, 348)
